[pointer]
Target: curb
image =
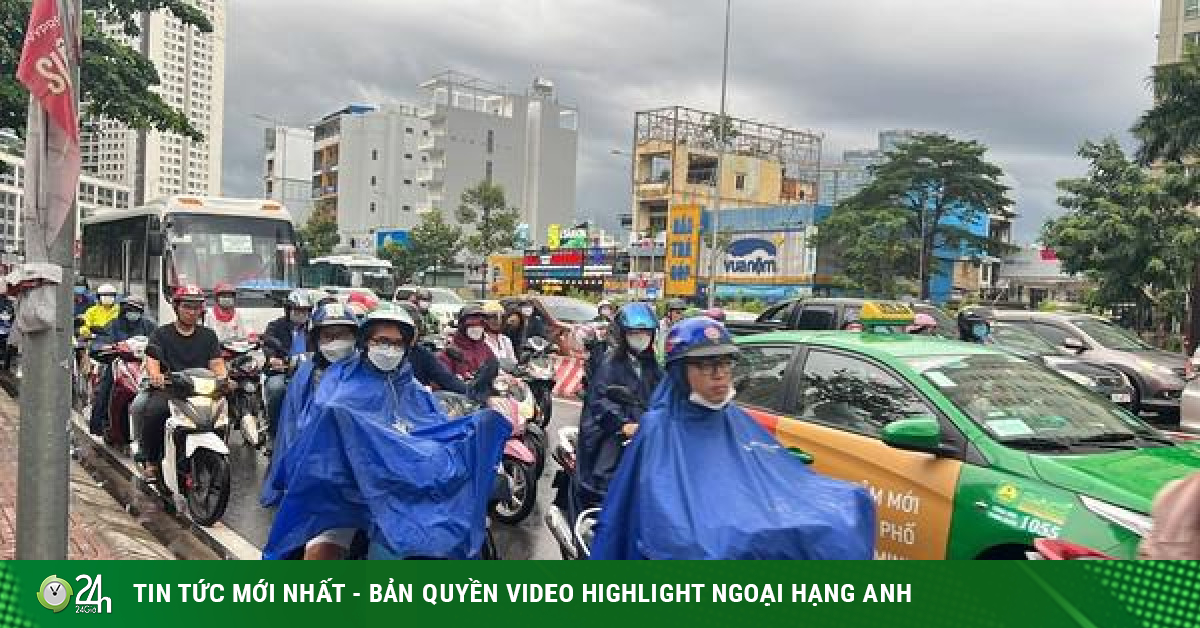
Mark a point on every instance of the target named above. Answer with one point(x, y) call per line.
point(217, 542)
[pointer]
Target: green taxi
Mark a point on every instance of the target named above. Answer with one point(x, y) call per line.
point(968, 451)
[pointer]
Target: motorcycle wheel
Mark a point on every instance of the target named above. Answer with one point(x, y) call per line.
point(524, 492)
point(208, 494)
point(545, 399)
point(535, 438)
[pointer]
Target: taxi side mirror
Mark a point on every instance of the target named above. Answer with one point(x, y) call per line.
point(921, 434)
point(1074, 344)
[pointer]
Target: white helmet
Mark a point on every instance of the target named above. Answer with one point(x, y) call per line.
point(106, 288)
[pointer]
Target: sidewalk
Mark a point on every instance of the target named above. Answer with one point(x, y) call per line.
point(99, 528)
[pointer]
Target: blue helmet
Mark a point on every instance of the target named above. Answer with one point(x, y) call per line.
point(637, 316)
point(698, 337)
point(332, 314)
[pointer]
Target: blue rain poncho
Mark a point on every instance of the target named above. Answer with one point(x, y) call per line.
point(374, 453)
point(696, 483)
point(300, 393)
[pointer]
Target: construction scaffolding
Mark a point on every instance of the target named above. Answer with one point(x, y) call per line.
point(798, 151)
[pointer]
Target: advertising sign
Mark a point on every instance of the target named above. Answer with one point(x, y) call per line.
point(762, 257)
point(553, 233)
point(683, 246)
point(384, 236)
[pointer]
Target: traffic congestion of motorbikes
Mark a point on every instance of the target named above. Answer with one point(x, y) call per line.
point(392, 435)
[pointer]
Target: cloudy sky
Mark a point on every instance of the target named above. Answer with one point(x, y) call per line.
point(1029, 78)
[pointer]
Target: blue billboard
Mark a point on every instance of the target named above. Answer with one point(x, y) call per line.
point(383, 236)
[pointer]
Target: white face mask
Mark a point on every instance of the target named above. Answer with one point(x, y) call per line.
point(133, 317)
point(527, 311)
point(704, 403)
point(475, 333)
point(639, 342)
point(107, 300)
point(385, 359)
point(335, 350)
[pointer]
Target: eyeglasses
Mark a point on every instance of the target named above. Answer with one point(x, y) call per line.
point(713, 366)
point(380, 342)
point(191, 305)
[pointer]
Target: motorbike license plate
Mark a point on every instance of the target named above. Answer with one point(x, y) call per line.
point(1122, 397)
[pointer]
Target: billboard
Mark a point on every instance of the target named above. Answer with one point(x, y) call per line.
point(384, 236)
point(767, 257)
point(683, 245)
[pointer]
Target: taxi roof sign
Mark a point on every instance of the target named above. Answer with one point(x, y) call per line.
point(885, 314)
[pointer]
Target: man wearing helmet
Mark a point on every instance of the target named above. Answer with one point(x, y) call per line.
point(181, 345)
point(423, 299)
point(286, 336)
point(501, 345)
point(131, 322)
point(426, 367)
point(604, 424)
point(101, 314)
point(224, 318)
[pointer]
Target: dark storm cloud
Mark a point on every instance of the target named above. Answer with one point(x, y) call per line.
point(1029, 78)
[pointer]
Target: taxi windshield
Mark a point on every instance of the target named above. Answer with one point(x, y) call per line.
point(1019, 402)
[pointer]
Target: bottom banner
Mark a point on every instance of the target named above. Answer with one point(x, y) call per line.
point(1107, 594)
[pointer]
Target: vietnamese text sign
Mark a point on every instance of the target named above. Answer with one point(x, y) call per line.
point(683, 247)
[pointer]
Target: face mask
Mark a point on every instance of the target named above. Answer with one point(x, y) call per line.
point(335, 350)
point(704, 403)
point(424, 305)
point(980, 331)
point(527, 311)
point(385, 359)
point(133, 317)
point(225, 303)
point(475, 333)
point(299, 318)
point(639, 342)
point(107, 300)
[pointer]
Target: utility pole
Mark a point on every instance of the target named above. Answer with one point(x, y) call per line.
point(43, 448)
point(721, 131)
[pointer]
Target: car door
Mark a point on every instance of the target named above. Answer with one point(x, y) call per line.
point(837, 409)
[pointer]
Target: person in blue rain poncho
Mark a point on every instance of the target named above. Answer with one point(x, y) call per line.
point(373, 453)
point(331, 339)
point(604, 424)
point(702, 480)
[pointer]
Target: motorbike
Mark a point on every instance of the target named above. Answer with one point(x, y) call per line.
point(83, 375)
point(573, 530)
point(537, 370)
point(126, 359)
point(195, 467)
point(522, 462)
point(246, 404)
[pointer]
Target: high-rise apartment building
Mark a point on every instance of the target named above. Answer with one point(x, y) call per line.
point(288, 169)
point(480, 131)
point(191, 66)
point(1179, 28)
point(365, 165)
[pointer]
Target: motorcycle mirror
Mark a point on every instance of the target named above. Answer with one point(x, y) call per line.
point(622, 396)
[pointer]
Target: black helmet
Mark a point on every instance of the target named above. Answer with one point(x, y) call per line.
point(468, 311)
point(967, 320)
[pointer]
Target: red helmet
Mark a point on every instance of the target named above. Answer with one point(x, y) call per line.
point(188, 292)
point(224, 288)
point(368, 302)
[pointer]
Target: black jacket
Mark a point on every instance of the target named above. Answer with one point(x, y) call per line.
point(281, 330)
point(430, 372)
point(121, 330)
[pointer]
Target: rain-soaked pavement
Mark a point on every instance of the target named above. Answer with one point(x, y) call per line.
point(528, 540)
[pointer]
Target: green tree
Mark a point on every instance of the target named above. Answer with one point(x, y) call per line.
point(485, 208)
point(115, 80)
point(1170, 130)
point(939, 183)
point(404, 261)
point(876, 248)
point(435, 242)
point(319, 235)
point(1128, 230)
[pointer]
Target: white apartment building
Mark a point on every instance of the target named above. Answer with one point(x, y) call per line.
point(191, 67)
point(365, 163)
point(1179, 28)
point(527, 143)
point(288, 167)
point(95, 195)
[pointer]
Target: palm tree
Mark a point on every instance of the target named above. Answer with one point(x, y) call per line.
point(1170, 130)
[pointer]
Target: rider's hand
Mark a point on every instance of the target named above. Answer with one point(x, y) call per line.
point(629, 429)
point(158, 381)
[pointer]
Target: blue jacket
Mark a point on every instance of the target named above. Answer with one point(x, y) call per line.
point(429, 371)
point(121, 330)
point(697, 483)
point(300, 392)
point(601, 420)
point(373, 452)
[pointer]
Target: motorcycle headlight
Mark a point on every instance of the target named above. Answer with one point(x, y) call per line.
point(1136, 523)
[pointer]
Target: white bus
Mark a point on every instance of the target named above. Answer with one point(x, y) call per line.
point(148, 251)
point(351, 271)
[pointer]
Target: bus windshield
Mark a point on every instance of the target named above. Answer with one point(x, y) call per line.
point(249, 253)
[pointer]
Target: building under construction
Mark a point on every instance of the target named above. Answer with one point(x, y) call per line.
point(675, 165)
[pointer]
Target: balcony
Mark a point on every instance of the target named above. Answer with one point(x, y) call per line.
point(431, 175)
point(652, 189)
point(433, 144)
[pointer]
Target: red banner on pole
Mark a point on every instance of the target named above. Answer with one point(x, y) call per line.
point(45, 70)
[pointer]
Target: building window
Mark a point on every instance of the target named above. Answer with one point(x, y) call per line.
point(407, 208)
point(408, 155)
point(372, 179)
point(1191, 9)
point(739, 182)
point(1190, 41)
point(487, 172)
point(491, 140)
point(408, 130)
point(372, 207)
point(374, 155)
point(408, 182)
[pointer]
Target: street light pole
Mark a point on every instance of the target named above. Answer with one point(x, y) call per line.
point(716, 221)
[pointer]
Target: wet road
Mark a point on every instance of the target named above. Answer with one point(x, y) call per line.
point(528, 540)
